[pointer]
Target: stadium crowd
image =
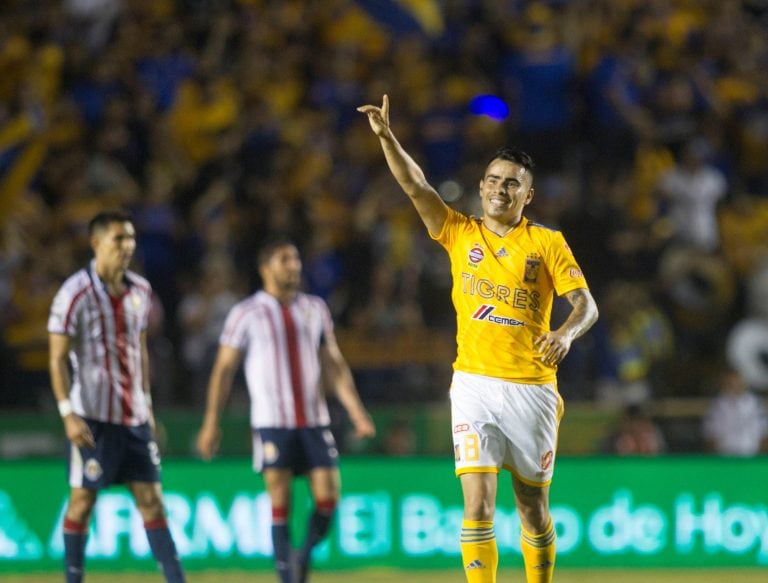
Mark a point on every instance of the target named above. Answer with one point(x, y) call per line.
point(219, 122)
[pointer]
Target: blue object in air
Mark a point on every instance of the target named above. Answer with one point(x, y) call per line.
point(490, 105)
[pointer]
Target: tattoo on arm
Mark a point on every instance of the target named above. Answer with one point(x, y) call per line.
point(584, 312)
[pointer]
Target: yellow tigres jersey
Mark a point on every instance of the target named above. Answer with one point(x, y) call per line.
point(503, 288)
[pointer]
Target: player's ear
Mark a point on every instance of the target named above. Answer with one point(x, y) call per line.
point(529, 197)
point(95, 240)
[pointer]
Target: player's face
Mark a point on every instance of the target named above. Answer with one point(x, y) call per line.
point(505, 190)
point(114, 246)
point(284, 268)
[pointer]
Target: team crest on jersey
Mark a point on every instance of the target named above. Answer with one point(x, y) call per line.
point(270, 452)
point(476, 255)
point(93, 469)
point(532, 265)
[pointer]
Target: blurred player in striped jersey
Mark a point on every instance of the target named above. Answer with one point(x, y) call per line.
point(505, 407)
point(97, 326)
point(291, 357)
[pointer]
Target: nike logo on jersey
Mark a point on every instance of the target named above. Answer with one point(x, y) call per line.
point(485, 312)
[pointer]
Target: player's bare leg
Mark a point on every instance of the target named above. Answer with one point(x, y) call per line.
point(149, 501)
point(76, 520)
point(325, 485)
point(537, 532)
point(278, 484)
point(479, 551)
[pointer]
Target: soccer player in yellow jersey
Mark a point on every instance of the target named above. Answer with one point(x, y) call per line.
point(505, 407)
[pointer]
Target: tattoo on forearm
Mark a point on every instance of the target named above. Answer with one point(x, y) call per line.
point(584, 312)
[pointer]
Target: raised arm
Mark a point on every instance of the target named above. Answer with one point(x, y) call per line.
point(554, 345)
point(219, 387)
point(431, 208)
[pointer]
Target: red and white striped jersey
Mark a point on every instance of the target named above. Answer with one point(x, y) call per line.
point(105, 353)
point(282, 364)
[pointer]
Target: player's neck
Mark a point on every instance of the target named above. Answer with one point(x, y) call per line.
point(114, 280)
point(501, 228)
point(284, 296)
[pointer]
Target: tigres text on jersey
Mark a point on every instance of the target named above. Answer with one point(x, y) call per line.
point(503, 288)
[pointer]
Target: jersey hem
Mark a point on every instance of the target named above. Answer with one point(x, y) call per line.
point(546, 381)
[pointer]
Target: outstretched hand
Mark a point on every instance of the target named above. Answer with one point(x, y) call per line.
point(378, 117)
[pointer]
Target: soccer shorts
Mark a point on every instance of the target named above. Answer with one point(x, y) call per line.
point(499, 424)
point(299, 449)
point(122, 454)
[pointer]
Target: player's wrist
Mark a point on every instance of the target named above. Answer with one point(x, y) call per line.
point(65, 408)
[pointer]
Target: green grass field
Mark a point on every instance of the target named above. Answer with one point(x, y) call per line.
point(452, 576)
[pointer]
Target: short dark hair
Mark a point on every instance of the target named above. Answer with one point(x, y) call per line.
point(270, 245)
point(106, 218)
point(515, 155)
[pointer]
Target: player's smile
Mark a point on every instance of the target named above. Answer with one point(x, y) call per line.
point(499, 200)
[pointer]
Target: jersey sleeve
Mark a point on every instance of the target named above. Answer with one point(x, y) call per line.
point(326, 321)
point(65, 310)
point(448, 234)
point(150, 305)
point(235, 329)
point(566, 273)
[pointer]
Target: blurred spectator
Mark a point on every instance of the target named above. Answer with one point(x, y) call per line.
point(633, 340)
point(747, 351)
point(636, 435)
point(744, 231)
point(96, 17)
point(700, 290)
point(540, 79)
point(757, 288)
point(202, 312)
point(736, 423)
point(218, 123)
point(689, 193)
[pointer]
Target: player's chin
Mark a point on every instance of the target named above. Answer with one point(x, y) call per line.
point(496, 211)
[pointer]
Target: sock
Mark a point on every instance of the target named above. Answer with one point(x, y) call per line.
point(479, 551)
point(281, 541)
point(75, 537)
point(164, 550)
point(319, 523)
point(539, 554)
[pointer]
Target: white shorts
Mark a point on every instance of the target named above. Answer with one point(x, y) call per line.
point(498, 424)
